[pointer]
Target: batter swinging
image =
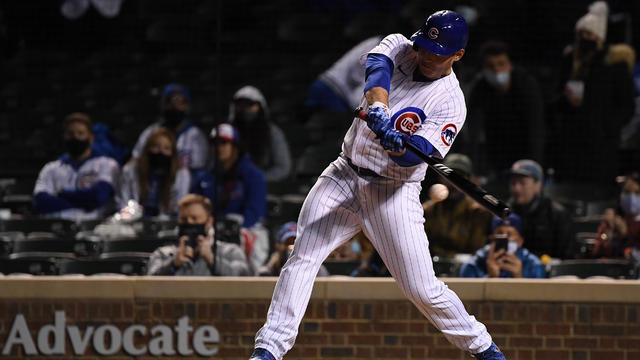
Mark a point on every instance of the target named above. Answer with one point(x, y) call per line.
point(412, 94)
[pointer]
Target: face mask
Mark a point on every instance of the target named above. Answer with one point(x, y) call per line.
point(246, 116)
point(172, 118)
point(630, 203)
point(512, 246)
point(497, 80)
point(159, 162)
point(586, 46)
point(76, 147)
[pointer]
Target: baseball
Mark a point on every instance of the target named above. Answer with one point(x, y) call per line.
point(438, 192)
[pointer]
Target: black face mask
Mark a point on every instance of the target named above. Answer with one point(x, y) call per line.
point(76, 147)
point(159, 162)
point(586, 46)
point(173, 118)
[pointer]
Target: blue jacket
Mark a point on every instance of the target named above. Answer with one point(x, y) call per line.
point(532, 267)
point(244, 191)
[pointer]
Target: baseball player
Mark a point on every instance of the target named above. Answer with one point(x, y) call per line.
point(80, 185)
point(411, 94)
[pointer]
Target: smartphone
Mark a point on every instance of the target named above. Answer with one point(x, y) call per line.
point(501, 241)
point(192, 231)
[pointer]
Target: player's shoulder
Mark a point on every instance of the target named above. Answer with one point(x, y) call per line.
point(396, 40)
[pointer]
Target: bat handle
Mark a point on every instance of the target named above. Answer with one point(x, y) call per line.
point(360, 113)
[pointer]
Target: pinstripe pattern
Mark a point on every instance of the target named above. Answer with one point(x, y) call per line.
point(337, 207)
point(441, 100)
point(386, 208)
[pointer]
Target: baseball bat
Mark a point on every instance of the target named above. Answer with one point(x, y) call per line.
point(486, 200)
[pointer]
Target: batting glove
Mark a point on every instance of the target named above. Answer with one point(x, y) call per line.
point(377, 118)
point(393, 140)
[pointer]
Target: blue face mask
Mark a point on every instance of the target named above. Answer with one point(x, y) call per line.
point(497, 80)
point(630, 203)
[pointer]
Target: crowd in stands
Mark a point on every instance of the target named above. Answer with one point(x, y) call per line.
point(534, 144)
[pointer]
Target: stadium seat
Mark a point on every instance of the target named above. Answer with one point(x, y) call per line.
point(336, 267)
point(59, 227)
point(615, 269)
point(35, 265)
point(114, 265)
point(145, 244)
point(44, 245)
point(6, 246)
point(445, 267)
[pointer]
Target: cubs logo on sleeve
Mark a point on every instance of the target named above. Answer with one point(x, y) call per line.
point(448, 134)
point(408, 120)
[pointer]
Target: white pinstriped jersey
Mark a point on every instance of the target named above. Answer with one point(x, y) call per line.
point(434, 110)
point(60, 175)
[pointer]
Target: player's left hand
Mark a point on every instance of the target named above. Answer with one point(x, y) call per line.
point(393, 140)
point(378, 118)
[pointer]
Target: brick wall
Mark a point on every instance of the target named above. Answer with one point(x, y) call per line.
point(355, 329)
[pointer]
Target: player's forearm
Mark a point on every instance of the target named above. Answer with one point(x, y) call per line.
point(377, 94)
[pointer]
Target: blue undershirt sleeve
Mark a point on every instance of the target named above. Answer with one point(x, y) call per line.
point(378, 72)
point(409, 158)
point(45, 203)
point(91, 198)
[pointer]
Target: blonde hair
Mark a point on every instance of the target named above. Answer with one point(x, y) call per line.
point(192, 199)
point(164, 196)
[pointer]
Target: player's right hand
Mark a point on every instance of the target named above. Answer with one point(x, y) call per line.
point(377, 118)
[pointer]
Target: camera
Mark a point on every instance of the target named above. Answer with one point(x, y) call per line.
point(192, 231)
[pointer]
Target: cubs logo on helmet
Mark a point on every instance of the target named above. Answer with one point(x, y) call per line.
point(448, 134)
point(408, 120)
point(433, 33)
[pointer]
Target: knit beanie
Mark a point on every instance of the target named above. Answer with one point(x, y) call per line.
point(595, 20)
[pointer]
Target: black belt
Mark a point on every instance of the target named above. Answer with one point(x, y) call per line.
point(360, 170)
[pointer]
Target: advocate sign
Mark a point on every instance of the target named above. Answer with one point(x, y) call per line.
point(109, 340)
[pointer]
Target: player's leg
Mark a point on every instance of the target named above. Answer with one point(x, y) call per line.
point(393, 220)
point(326, 221)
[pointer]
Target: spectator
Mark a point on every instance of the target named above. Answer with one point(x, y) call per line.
point(456, 224)
point(284, 244)
point(191, 142)
point(240, 191)
point(81, 183)
point(546, 225)
point(155, 178)
point(619, 233)
point(505, 112)
point(197, 255)
point(513, 261)
point(340, 88)
point(264, 141)
point(595, 99)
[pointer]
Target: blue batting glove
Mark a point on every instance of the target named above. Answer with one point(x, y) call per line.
point(377, 118)
point(393, 140)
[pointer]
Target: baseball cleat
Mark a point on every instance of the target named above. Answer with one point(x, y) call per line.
point(492, 353)
point(261, 354)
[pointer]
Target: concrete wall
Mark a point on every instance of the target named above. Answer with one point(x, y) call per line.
point(347, 318)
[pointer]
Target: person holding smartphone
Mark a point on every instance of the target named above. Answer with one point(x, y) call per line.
point(504, 255)
point(196, 254)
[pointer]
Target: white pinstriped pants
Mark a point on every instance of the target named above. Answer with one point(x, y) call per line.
point(391, 216)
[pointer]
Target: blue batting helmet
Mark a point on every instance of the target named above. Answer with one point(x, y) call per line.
point(444, 33)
